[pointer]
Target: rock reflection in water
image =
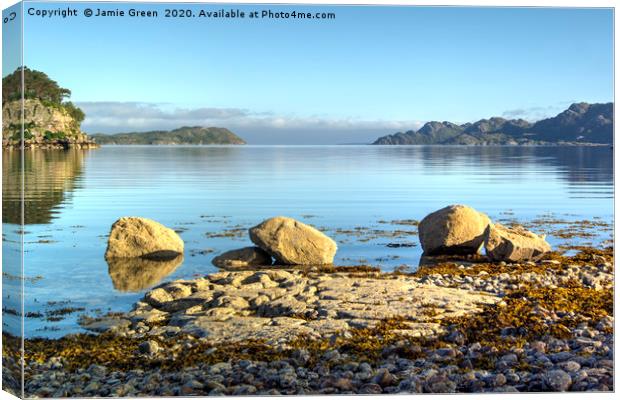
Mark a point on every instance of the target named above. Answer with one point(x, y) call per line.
point(136, 274)
point(49, 176)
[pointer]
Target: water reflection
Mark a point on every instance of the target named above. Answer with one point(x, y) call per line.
point(49, 175)
point(576, 164)
point(136, 274)
point(209, 194)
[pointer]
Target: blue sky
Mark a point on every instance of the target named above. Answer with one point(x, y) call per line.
point(371, 71)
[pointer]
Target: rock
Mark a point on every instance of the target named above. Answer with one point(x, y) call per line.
point(234, 302)
point(104, 324)
point(570, 366)
point(50, 126)
point(383, 378)
point(456, 229)
point(605, 323)
point(561, 356)
point(149, 347)
point(371, 388)
point(293, 242)
point(513, 244)
point(158, 297)
point(240, 258)
point(142, 237)
point(243, 390)
point(342, 384)
point(539, 346)
point(558, 380)
point(456, 336)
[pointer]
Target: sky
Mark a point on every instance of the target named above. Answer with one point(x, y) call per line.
point(370, 71)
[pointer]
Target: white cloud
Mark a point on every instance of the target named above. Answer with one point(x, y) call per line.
point(112, 117)
point(536, 113)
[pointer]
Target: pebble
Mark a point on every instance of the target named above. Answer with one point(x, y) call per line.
point(582, 362)
point(149, 347)
point(384, 378)
point(558, 380)
point(570, 366)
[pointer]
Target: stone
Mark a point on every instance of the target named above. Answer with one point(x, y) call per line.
point(149, 347)
point(150, 317)
point(558, 380)
point(371, 388)
point(514, 244)
point(570, 366)
point(242, 258)
point(293, 242)
point(142, 237)
point(539, 346)
point(220, 313)
point(456, 229)
point(605, 323)
point(104, 324)
point(158, 297)
point(234, 302)
point(383, 378)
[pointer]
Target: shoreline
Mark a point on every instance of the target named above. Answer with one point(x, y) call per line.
point(250, 145)
point(53, 146)
point(519, 327)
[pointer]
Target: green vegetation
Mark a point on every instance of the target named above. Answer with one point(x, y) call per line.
point(75, 112)
point(37, 86)
point(49, 136)
point(185, 135)
point(16, 131)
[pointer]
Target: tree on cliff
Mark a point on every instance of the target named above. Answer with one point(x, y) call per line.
point(75, 112)
point(37, 86)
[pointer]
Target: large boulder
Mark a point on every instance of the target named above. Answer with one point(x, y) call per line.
point(456, 229)
point(241, 258)
point(293, 242)
point(513, 244)
point(142, 237)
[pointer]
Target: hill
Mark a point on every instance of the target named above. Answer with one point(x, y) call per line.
point(185, 135)
point(50, 121)
point(580, 123)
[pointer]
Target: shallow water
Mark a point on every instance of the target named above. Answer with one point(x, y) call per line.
point(211, 195)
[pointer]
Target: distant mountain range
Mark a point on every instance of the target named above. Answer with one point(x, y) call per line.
point(580, 123)
point(185, 135)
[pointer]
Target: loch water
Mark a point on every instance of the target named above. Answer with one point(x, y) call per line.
point(365, 197)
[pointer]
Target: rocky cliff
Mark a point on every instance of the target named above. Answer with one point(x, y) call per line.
point(45, 125)
point(49, 120)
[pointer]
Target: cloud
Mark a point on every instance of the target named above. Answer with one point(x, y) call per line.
point(111, 115)
point(114, 117)
point(536, 113)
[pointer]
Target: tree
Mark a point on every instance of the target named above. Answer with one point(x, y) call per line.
point(37, 85)
point(74, 111)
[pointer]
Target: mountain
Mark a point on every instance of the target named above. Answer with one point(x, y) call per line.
point(580, 123)
point(184, 135)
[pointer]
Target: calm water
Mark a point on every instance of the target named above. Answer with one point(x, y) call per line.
point(212, 194)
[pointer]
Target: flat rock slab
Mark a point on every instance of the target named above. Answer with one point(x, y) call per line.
point(278, 306)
